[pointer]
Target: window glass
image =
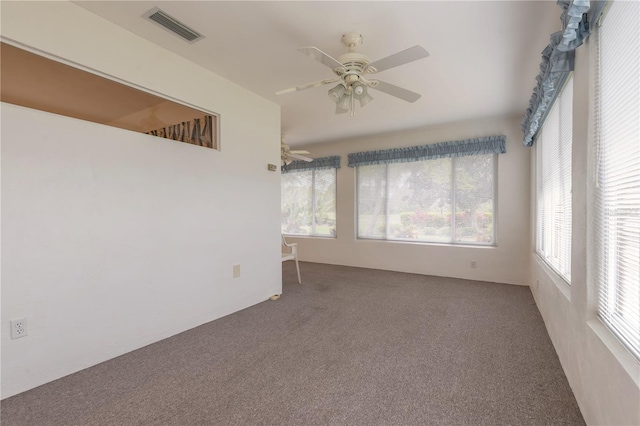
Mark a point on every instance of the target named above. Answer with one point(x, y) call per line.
point(308, 202)
point(325, 202)
point(553, 182)
point(372, 199)
point(474, 199)
point(414, 201)
point(420, 200)
point(617, 192)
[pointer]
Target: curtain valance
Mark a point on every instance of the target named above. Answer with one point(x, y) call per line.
point(477, 146)
point(558, 61)
point(332, 162)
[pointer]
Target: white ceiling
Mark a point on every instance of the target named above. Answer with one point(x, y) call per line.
point(484, 55)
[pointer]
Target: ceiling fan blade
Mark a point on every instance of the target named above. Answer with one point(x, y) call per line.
point(307, 86)
point(320, 56)
point(404, 57)
point(300, 157)
point(299, 151)
point(394, 90)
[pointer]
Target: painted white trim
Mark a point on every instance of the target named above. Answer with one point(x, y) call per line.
point(626, 359)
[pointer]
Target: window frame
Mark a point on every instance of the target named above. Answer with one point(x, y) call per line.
point(314, 203)
point(452, 241)
point(541, 253)
point(613, 331)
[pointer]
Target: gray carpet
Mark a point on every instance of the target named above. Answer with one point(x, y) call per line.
point(350, 346)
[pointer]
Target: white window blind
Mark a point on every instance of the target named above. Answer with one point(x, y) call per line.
point(553, 180)
point(308, 202)
point(445, 200)
point(617, 188)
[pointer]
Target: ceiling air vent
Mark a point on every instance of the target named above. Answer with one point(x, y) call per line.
point(172, 24)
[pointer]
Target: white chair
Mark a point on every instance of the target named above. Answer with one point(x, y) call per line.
point(292, 254)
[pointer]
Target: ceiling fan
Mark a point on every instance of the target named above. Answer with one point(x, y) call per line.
point(288, 155)
point(351, 69)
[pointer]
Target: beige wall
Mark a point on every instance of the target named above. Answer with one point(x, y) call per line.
point(508, 262)
point(112, 240)
point(603, 375)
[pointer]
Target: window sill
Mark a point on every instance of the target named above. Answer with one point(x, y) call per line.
point(427, 243)
point(560, 282)
point(617, 349)
point(320, 237)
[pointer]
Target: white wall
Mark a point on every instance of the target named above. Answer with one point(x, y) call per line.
point(603, 375)
point(508, 262)
point(112, 240)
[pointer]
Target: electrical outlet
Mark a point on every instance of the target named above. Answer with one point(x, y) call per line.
point(236, 271)
point(473, 264)
point(19, 328)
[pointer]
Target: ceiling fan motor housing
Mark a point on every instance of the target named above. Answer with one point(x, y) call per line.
point(355, 64)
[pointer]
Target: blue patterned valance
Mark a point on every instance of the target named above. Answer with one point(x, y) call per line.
point(317, 164)
point(477, 146)
point(558, 61)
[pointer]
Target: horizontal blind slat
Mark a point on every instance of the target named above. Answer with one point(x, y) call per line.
point(617, 197)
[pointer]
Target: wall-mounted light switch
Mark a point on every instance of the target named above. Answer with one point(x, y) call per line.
point(272, 167)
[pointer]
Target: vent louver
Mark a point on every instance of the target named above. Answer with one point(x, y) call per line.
point(172, 24)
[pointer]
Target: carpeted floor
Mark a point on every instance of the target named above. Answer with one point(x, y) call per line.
point(350, 346)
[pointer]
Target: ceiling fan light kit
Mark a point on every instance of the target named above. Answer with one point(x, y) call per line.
point(345, 102)
point(351, 67)
point(361, 93)
point(336, 93)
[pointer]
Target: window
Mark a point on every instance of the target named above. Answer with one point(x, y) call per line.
point(415, 201)
point(617, 160)
point(309, 202)
point(553, 181)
